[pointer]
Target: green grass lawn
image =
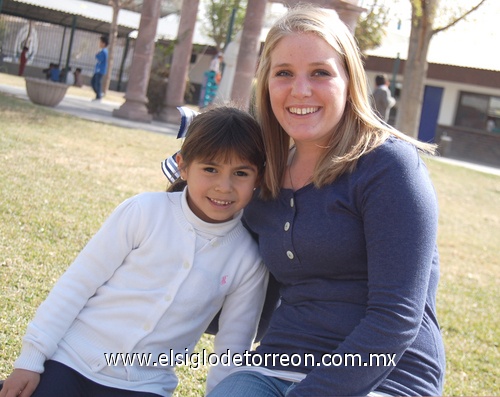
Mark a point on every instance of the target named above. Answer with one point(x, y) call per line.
point(62, 176)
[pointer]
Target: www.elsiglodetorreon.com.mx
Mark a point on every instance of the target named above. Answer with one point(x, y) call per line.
point(196, 360)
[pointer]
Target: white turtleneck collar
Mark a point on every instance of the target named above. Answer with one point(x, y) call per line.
point(207, 230)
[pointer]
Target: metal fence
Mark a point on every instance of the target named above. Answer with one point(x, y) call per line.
point(49, 43)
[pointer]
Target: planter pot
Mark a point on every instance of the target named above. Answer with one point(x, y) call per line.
point(45, 92)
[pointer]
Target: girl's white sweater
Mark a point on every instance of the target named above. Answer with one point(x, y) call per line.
point(150, 281)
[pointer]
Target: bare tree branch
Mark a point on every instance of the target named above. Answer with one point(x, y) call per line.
point(456, 20)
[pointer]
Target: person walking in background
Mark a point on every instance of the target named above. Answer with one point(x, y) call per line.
point(100, 67)
point(154, 276)
point(382, 98)
point(346, 221)
point(23, 59)
point(211, 81)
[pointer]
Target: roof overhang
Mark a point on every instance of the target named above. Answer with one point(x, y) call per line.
point(87, 15)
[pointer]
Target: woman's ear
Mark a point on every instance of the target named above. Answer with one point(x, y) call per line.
point(181, 165)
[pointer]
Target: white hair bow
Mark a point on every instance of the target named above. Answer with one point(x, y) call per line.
point(169, 166)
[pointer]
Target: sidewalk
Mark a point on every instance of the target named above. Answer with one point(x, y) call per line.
point(96, 111)
point(102, 112)
point(477, 167)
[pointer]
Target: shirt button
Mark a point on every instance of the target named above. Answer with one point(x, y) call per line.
point(290, 254)
point(186, 265)
point(146, 327)
point(168, 297)
point(291, 202)
point(287, 226)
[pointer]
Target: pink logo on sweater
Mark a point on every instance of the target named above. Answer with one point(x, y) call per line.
point(223, 281)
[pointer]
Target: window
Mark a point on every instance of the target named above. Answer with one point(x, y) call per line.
point(481, 112)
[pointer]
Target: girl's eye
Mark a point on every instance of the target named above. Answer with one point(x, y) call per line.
point(241, 173)
point(210, 170)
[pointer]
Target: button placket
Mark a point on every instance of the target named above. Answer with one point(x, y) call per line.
point(287, 227)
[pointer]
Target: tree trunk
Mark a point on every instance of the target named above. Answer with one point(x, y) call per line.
point(410, 103)
point(248, 53)
point(177, 78)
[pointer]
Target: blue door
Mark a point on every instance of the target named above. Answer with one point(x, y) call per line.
point(430, 113)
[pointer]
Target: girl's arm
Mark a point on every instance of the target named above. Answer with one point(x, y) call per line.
point(239, 319)
point(95, 264)
point(21, 383)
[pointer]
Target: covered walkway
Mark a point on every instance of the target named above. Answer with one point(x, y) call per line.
point(72, 35)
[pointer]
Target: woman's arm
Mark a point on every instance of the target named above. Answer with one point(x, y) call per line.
point(398, 207)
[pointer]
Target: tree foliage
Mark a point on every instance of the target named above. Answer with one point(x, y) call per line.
point(370, 28)
point(218, 19)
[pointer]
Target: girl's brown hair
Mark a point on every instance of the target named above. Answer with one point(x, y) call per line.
point(219, 134)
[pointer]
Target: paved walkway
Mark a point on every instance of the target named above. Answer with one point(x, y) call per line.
point(102, 112)
point(476, 167)
point(96, 111)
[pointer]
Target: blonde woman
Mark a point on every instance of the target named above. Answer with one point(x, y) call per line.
point(346, 222)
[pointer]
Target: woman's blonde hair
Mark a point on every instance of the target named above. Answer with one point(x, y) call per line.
point(359, 130)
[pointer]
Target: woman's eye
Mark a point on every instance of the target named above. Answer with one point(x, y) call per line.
point(282, 73)
point(321, 73)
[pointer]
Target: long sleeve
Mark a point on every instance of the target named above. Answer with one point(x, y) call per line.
point(239, 319)
point(358, 267)
point(399, 212)
point(95, 264)
point(148, 283)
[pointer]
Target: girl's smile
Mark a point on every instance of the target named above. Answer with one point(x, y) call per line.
point(218, 190)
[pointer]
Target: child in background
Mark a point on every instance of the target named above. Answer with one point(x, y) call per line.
point(78, 78)
point(100, 68)
point(155, 275)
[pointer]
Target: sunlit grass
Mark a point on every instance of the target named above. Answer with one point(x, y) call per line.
point(62, 176)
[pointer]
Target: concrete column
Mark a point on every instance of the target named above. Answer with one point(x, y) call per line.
point(177, 78)
point(136, 99)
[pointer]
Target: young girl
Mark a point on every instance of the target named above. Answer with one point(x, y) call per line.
point(153, 277)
